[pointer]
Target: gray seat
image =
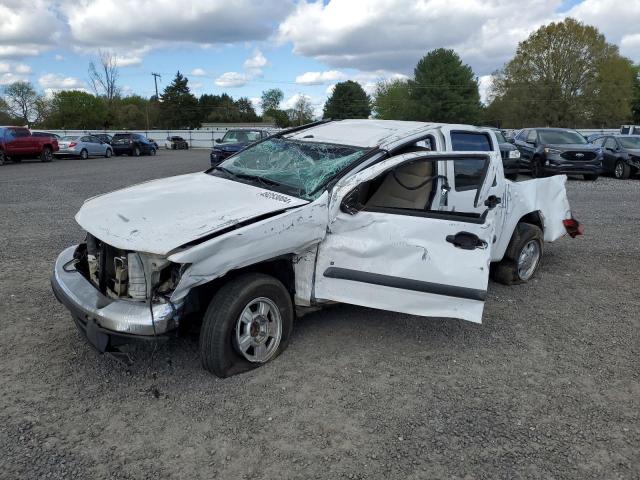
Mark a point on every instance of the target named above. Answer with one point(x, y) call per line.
point(392, 194)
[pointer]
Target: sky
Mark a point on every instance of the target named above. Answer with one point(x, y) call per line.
point(243, 47)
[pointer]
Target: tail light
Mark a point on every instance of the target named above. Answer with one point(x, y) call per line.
point(573, 227)
point(72, 144)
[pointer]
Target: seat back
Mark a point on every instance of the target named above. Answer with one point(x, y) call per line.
point(392, 194)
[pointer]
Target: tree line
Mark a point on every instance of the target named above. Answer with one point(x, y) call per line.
point(564, 74)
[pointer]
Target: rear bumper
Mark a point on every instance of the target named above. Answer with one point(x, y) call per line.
point(104, 320)
point(67, 152)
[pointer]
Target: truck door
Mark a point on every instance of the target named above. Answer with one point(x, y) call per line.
point(391, 244)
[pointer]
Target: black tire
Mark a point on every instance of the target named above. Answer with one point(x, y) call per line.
point(218, 352)
point(506, 271)
point(591, 177)
point(173, 146)
point(135, 152)
point(152, 152)
point(537, 168)
point(84, 155)
point(46, 155)
point(3, 158)
point(107, 153)
point(621, 171)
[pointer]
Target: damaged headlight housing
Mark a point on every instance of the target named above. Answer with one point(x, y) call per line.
point(149, 275)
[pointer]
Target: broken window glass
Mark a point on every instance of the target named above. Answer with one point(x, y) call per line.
point(301, 167)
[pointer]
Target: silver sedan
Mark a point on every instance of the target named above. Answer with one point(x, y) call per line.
point(83, 146)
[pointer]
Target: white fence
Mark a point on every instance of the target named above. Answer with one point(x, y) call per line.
point(196, 138)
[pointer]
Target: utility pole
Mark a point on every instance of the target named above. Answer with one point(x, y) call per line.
point(155, 80)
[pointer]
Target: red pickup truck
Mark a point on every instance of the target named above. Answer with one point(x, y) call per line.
point(17, 143)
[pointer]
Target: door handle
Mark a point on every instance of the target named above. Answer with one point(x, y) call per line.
point(466, 241)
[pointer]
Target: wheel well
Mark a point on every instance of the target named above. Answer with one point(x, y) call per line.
point(534, 218)
point(47, 145)
point(280, 267)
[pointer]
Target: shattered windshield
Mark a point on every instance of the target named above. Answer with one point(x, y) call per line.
point(299, 168)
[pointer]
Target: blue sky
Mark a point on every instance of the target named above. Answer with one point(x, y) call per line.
point(243, 47)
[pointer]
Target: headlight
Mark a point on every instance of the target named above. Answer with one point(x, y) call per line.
point(514, 154)
point(552, 151)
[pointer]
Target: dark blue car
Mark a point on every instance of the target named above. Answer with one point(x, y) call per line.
point(234, 141)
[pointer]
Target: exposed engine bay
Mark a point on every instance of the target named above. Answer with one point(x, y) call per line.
point(122, 274)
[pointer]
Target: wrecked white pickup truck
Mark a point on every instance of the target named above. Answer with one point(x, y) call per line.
point(401, 216)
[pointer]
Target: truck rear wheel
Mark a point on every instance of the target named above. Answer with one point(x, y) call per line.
point(3, 158)
point(248, 323)
point(522, 258)
point(46, 155)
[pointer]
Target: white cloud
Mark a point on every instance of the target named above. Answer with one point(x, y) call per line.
point(196, 86)
point(257, 104)
point(7, 78)
point(59, 58)
point(4, 67)
point(484, 87)
point(27, 28)
point(318, 78)
point(55, 82)
point(23, 69)
point(393, 35)
point(198, 72)
point(256, 63)
point(231, 80)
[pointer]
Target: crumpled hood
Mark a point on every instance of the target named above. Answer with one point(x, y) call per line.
point(161, 215)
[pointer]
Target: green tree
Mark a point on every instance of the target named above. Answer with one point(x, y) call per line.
point(635, 101)
point(444, 89)
point(23, 102)
point(271, 99)
point(348, 100)
point(391, 100)
point(567, 75)
point(179, 106)
point(74, 109)
point(5, 114)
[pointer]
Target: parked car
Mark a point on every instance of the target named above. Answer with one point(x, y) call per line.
point(400, 216)
point(176, 143)
point(233, 141)
point(510, 155)
point(552, 151)
point(621, 155)
point(18, 143)
point(630, 130)
point(46, 134)
point(103, 137)
point(132, 144)
point(83, 146)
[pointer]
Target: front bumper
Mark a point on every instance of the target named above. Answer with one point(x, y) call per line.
point(561, 166)
point(99, 316)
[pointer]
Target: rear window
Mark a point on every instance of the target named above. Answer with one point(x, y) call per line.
point(120, 136)
point(469, 173)
point(470, 142)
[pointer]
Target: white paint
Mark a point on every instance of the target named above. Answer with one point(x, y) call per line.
point(161, 215)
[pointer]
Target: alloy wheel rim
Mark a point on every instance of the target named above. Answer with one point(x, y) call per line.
point(259, 330)
point(528, 259)
point(618, 170)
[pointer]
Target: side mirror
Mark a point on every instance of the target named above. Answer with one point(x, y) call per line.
point(351, 202)
point(218, 140)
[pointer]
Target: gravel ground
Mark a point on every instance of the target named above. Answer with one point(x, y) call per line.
point(548, 387)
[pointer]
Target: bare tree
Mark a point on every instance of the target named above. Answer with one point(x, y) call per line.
point(22, 101)
point(104, 77)
point(302, 111)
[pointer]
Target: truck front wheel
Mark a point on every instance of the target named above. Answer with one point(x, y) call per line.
point(248, 322)
point(522, 258)
point(3, 158)
point(46, 155)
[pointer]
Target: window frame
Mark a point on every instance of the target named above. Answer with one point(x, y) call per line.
point(492, 147)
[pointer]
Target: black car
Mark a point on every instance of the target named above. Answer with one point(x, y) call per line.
point(234, 141)
point(553, 151)
point(510, 155)
point(176, 143)
point(132, 144)
point(103, 137)
point(621, 155)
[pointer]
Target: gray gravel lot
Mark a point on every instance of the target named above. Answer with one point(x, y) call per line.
point(548, 387)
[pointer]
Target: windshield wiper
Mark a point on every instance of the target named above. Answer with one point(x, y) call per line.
point(246, 176)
